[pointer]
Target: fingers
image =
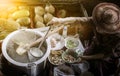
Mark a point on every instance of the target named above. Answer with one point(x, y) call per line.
point(54, 21)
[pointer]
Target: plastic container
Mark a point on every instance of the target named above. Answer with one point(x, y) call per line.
point(63, 70)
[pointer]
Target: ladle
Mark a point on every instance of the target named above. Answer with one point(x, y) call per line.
point(36, 51)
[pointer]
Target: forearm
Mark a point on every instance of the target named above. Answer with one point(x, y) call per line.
point(74, 19)
point(70, 20)
point(90, 57)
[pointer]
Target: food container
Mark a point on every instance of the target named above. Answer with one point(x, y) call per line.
point(63, 70)
point(71, 56)
point(56, 41)
point(72, 43)
point(55, 57)
point(23, 62)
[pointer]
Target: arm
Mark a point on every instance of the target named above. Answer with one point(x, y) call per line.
point(68, 20)
point(93, 51)
point(89, 57)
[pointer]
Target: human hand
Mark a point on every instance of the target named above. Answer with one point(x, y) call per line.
point(55, 21)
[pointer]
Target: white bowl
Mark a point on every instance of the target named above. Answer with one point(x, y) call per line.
point(56, 41)
point(72, 43)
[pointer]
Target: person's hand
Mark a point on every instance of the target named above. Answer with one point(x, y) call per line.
point(55, 21)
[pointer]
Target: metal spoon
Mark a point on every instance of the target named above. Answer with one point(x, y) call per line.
point(36, 51)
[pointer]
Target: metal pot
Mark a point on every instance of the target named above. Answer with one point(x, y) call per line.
point(30, 68)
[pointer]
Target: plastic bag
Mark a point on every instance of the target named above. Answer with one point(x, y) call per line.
point(63, 70)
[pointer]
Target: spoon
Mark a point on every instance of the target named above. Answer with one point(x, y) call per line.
point(36, 51)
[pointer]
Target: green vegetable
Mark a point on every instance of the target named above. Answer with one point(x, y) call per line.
point(71, 44)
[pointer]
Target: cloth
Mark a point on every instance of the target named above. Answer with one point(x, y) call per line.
point(109, 45)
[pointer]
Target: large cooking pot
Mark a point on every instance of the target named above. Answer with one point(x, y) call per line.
point(33, 68)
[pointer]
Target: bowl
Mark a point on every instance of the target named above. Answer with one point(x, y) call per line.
point(55, 57)
point(71, 43)
point(71, 56)
point(56, 41)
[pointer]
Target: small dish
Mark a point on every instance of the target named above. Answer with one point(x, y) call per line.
point(56, 41)
point(55, 57)
point(71, 56)
point(71, 43)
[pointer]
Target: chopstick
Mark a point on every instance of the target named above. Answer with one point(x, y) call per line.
point(44, 37)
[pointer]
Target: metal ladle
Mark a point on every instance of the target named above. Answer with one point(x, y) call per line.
point(36, 51)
